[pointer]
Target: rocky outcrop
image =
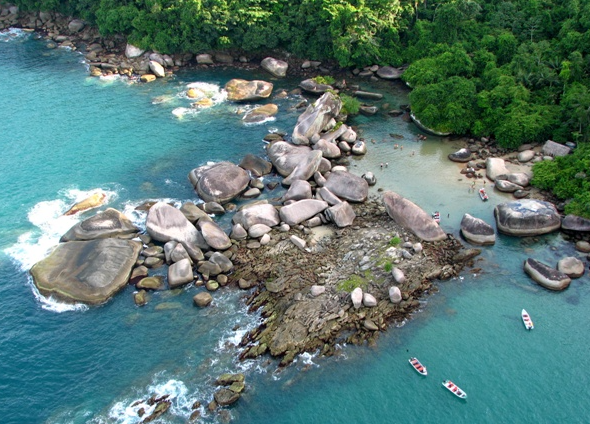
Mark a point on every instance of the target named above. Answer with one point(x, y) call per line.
point(260, 114)
point(180, 273)
point(316, 118)
point(551, 148)
point(544, 275)
point(165, 223)
point(263, 213)
point(495, 167)
point(409, 215)
point(239, 90)
point(575, 223)
point(106, 224)
point(289, 159)
point(311, 86)
point(220, 182)
point(214, 235)
point(88, 272)
point(341, 214)
point(347, 186)
point(257, 166)
point(277, 68)
point(527, 217)
point(477, 231)
point(93, 201)
point(301, 210)
point(506, 186)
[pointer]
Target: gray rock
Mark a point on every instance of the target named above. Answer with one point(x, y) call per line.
point(86, 271)
point(369, 300)
point(395, 295)
point(544, 275)
point(571, 266)
point(506, 186)
point(495, 167)
point(527, 217)
point(132, 52)
point(520, 178)
point(157, 69)
point(214, 235)
point(258, 230)
point(202, 299)
point(305, 169)
point(357, 297)
point(212, 208)
point(222, 57)
point(313, 87)
point(298, 190)
point(178, 253)
point(341, 214)
point(328, 196)
point(205, 59)
point(553, 149)
point(526, 156)
point(583, 246)
point(275, 67)
point(329, 149)
point(359, 148)
point(370, 178)
point(409, 215)
point(192, 212)
point(76, 26)
point(317, 290)
point(224, 263)
point(286, 157)
point(398, 275)
point(316, 118)
point(106, 224)
point(256, 165)
point(262, 213)
point(347, 186)
point(389, 73)
point(461, 155)
point(299, 211)
point(180, 273)
point(165, 223)
point(299, 242)
point(367, 95)
point(275, 286)
point(209, 269)
point(220, 182)
point(370, 325)
point(151, 283)
point(575, 223)
point(477, 231)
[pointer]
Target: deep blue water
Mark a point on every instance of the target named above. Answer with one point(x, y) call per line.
point(64, 135)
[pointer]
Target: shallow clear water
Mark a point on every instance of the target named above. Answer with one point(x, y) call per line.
point(64, 135)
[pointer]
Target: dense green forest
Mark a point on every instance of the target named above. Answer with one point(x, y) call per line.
point(514, 70)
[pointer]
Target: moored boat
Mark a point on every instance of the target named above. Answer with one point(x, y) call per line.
point(421, 369)
point(454, 389)
point(483, 194)
point(526, 319)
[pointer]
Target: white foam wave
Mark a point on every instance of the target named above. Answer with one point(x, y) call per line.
point(11, 34)
point(261, 122)
point(180, 404)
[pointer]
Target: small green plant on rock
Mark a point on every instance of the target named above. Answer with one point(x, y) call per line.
point(350, 105)
point(388, 266)
point(395, 241)
point(326, 80)
point(352, 283)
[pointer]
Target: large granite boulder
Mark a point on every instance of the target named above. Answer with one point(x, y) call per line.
point(347, 186)
point(575, 223)
point(341, 214)
point(544, 275)
point(277, 68)
point(286, 157)
point(214, 235)
point(157, 69)
point(477, 231)
point(316, 118)
point(220, 182)
point(411, 216)
point(571, 266)
point(106, 224)
point(527, 217)
point(132, 52)
point(180, 273)
point(299, 211)
point(521, 178)
point(551, 148)
point(313, 87)
point(239, 90)
point(390, 73)
point(306, 168)
point(329, 150)
point(165, 223)
point(461, 155)
point(256, 165)
point(495, 167)
point(506, 186)
point(86, 271)
point(298, 190)
point(262, 213)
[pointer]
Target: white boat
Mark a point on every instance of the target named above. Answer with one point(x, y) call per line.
point(454, 389)
point(483, 194)
point(421, 369)
point(526, 318)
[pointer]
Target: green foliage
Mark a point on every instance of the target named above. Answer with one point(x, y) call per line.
point(388, 267)
point(395, 241)
point(568, 177)
point(327, 79)
point(352, 283)
point(350, 105)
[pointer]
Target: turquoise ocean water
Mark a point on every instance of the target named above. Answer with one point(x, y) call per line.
point(64, 135)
